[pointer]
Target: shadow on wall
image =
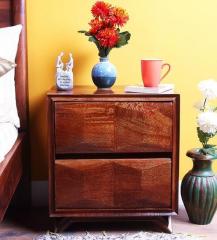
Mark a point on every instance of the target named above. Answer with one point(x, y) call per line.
point(38, 138)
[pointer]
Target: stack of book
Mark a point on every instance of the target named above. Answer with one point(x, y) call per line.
point(166, 88)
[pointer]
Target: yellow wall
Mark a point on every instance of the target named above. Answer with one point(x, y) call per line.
point(183, 33)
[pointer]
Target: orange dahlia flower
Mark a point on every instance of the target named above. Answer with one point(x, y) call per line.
point(120, 16)
point(101, 9)
point(104, 27)
point(95, 25)
point(107, 37)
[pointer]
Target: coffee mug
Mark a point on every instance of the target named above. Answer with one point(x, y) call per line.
point(151, 71)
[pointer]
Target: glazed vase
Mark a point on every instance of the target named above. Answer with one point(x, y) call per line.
point(104, 74)
point(199, 189)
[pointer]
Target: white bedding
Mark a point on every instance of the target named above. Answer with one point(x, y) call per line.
point(8, 136)
point(9, 38)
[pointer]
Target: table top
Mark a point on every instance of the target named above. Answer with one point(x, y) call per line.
point(91, 90)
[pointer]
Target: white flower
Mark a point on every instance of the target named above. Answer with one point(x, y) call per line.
point(199, 105)
point(207, 122)
point(208, 88)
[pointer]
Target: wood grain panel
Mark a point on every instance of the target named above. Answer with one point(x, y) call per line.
point(113, 127)
point(5, 5)
point(21, 73)
point(84, 127)
point(115, 94)
point(5, 13)
point(10, 173)
point(113, 184)
point(144, 126)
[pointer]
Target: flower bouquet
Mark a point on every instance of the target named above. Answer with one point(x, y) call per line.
point(105, 27)
point(199, 185)
point(105, 33)
point(207, 117)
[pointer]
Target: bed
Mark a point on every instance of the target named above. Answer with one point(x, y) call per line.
point(14, 169)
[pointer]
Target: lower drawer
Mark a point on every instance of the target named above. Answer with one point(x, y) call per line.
point(113, 183)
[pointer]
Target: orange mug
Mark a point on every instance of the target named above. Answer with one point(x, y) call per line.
point(151, 71)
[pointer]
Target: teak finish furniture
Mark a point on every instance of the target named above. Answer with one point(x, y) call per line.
point(113, 155)
point(15, 167)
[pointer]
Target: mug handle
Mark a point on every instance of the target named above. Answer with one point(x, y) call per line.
point(168, 70)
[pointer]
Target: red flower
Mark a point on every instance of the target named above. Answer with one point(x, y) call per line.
point(104, 27)
point(96, 25)
point(107, 37)
point(110, 21)
point(120, 16)
point(101, 9)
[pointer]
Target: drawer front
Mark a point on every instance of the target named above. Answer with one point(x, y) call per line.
point(113, 127)
point(113, 184)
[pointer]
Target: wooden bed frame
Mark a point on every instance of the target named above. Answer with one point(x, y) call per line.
point(15, 167)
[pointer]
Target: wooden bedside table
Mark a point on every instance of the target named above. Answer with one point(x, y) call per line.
point(113, 155)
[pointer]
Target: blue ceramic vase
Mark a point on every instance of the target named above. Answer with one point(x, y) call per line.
point(104, 73)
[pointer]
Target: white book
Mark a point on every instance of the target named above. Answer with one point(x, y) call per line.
point(162, 88)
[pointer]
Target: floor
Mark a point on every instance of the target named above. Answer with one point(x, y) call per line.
point(27, 226)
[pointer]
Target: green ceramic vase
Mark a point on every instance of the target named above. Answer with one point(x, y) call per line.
point(199, 189)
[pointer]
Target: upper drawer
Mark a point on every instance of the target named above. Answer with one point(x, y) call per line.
point(113, 127)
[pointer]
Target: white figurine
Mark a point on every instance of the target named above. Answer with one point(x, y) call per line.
point(64, 75)
point(60, 64)
point(69, 65)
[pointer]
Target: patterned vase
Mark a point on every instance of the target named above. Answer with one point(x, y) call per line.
point(104, 73)
point(199, 189)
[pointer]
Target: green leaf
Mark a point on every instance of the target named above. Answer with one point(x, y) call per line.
point(214, 109)
point(210, 145)
point(211, 151)
point(203, 137)
point(92, 39)
point(82, 31)
point(208, 151)
point(124, 37)
point(107, 51)
point(103, 52)
point(86, 33)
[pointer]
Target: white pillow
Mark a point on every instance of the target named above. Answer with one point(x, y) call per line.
point(9, 38)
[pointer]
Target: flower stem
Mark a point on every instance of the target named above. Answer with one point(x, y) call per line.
point(204, 104)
